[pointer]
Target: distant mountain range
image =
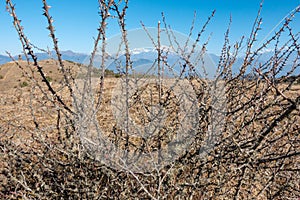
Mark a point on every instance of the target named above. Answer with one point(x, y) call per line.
point(66, 55)
point(4, 59)
point(144, 60)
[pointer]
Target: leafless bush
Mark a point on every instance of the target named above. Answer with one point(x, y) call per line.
point(243, 145)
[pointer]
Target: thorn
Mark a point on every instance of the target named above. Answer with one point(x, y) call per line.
point(46, 7)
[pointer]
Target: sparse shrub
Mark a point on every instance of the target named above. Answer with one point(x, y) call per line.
point(48, 78)
point(109, 72)
point(72, 62)
point(23, 84)
point(117, 75)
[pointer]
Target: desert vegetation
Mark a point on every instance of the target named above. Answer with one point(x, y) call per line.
point(73, 131)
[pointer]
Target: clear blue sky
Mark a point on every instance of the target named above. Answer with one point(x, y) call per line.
point(77, 21)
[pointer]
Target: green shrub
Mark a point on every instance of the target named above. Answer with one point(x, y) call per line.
point(48, 78)
point(117, 75)
point(23, 84)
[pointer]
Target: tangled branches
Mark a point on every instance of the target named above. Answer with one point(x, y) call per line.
point(233, 135)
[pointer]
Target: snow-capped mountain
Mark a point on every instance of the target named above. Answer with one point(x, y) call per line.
point(144, 60)
point(137, 51)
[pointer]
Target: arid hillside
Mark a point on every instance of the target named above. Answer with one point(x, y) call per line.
point(40, 148)
point(18, 74)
